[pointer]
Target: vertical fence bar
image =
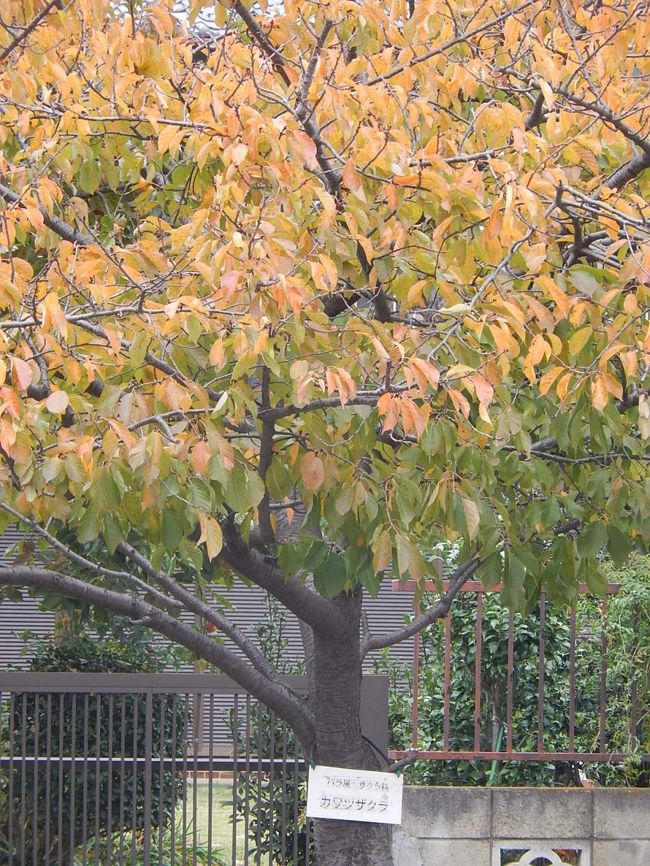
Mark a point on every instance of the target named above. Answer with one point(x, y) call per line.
point(235, 778)
point(135, 770)
point(10, 786)
point(35, 791)
point(61, 771)
point(542, 666)
point(247, 775)
point(510, 684)
point(73, 774)
point(197, 721)
point(162, 727)
point(98, 776)
point(22, 853)
point(148, 753)
point(258, 823)
point(283, 804)
point(122, 775)
point(174, 778)
point(271, 785)
point(572, 679)
point(109, 782)
point(186, 722)
point(446, 684)
point(84, 789)
point(477, 671)
point(415, 720)
point(603, 676)
point(210, 772)
point(48, 779)
point(296, 787)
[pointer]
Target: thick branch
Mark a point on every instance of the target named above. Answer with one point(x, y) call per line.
point(629, 170)
point(306, 604)
point(260, 37)
point(73, 556)
point(199, 608)
point(438, 610)
point(274, 695)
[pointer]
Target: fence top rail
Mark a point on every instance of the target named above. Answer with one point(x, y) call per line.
point(106, 683)
point(476, 586)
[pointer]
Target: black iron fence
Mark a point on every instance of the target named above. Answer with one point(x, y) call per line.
point(152, 770)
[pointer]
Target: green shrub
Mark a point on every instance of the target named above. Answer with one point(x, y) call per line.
point(96, 726)
point(628, 662)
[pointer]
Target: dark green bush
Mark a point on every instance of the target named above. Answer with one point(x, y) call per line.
point(63, 806)
point(628, 663)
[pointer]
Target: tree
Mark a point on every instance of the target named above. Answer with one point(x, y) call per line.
point(295, 300)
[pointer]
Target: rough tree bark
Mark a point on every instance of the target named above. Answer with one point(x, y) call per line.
point(335, 699)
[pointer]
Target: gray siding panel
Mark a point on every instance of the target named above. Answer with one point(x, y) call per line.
point(250, 608)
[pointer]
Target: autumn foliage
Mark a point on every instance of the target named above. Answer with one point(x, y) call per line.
point(383, 266)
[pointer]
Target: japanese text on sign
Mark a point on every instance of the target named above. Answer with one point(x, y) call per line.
point(354, 795)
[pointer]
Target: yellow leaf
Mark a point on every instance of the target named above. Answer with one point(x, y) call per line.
point(472, 517)
point(546, 382)
point(21, 373)
point(579, 340)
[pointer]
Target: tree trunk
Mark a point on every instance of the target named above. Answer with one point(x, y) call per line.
point(335, 701)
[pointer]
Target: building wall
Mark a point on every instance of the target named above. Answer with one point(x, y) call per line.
point(495, 826)
point(249, 608)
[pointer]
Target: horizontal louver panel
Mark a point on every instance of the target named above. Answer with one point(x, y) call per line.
point(249, 609)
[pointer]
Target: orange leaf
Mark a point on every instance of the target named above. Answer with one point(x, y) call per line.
point(599, 392)
point(388, 406)
point(484, 391)
point(201, 457)
point(57, 402)
point(312, 471)
point(21, 373)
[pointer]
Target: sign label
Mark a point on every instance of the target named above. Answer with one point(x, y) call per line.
point(354, 795)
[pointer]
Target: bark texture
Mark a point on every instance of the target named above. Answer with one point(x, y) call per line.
point(336, 667)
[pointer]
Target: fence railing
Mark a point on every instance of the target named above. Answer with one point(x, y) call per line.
point(152, 769)
point(492, 733)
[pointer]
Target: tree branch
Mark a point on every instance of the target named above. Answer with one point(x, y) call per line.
point(190, 602)
point(73, 556)
point(57, 225)
point(33, 24)
point(275, 695)
point(306, 604)
point(438, 610)
point(445, 46)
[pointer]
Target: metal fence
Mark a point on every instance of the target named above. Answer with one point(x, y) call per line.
point(481, 742)
point(146, 770)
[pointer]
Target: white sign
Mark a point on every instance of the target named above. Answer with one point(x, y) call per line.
point(354, 795)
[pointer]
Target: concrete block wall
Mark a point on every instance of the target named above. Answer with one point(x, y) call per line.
point(458, 826)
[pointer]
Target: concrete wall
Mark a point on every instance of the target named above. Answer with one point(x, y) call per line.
point(471, 826)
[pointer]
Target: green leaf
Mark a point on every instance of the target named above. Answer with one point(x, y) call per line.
point(139, 348)
point(592, 539)
point(330, 577)
point(409, 559)
point(618, 544)
point(171, 529)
